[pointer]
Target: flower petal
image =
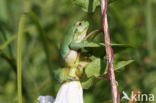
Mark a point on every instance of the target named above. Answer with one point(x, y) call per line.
point(46, 99)
point(70, 92)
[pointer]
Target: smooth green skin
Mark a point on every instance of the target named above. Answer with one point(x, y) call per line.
point(71, 39)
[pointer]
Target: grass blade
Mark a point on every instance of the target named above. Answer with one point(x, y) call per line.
point(42, 36)
point(43, 39)
point(3, 46)
point(149, 27)
point(19, 57)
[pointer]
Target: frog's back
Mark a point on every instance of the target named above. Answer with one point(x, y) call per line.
point(66, 40)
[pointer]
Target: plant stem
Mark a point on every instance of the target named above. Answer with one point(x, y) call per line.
point(109, 53)
point(19, 56)
point(149, 27)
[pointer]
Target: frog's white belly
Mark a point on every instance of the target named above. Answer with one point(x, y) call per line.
point(71, 58)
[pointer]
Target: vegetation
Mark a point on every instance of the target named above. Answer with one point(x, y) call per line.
point(41, 25)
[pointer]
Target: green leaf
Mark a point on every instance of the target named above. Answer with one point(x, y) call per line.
point(98, 68)
point(93, 69)
point(98, 65)
point(98, 49)
point(88, 83)
point(89, 5)
point(120, 65)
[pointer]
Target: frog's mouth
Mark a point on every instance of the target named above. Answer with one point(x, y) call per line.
point(83, 34)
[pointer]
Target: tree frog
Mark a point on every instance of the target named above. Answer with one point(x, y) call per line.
point(73, 41)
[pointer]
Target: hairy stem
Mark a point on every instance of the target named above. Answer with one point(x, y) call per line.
point(109, 53)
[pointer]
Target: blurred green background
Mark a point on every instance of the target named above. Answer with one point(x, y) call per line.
point(130, 21)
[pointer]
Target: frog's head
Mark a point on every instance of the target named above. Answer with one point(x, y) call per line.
point(81, 28)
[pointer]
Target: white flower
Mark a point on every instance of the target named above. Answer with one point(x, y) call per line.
point(46, 99)
point(70, 92)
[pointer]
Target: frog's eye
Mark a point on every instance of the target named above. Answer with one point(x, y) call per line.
point(79, 24)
